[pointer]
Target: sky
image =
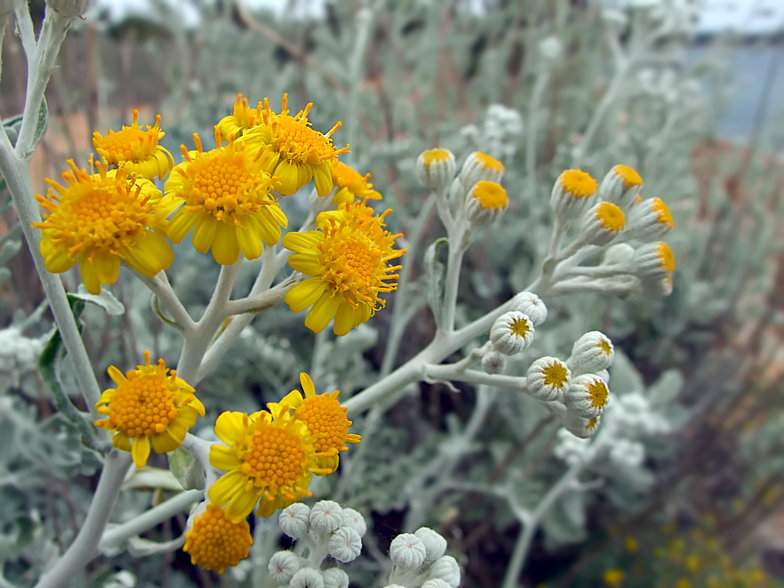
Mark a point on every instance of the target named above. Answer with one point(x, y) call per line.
point(744, 16)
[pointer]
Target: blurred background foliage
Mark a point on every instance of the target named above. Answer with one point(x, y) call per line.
point(543, 86)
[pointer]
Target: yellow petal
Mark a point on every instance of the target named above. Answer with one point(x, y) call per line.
point(288, 175)
point(249, 242)
point(225, 247)
point(89, 276)
point(305, 294)
point(226, 486)
point(323, 312)
point(230, 427)
point(107, 267)
point(303, 242)
point(204, 232)
point(306, 263)
point(151, 254)
point(121, 441)
point(181, 224)
point(344, 319)
point(115, 375)
point(307, 384)
point(224, 458)
point(57, 259)
point(241, 505)
point(343, 196)
point(179, 427)
point(292, 400)
point(278, 215)
point(322, 177)
point(140, 451)
point(268, 226)
point(164, 442)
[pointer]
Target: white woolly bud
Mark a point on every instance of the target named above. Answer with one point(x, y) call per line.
point(283, 565)
point(407, 551)
point(493, 362)
point(307, 578)
point(335, 578)
point(551, 49)
point(579, 426)
point(591, 353)
point(531, 306)
point(435, 544)
point(621, 186)
point(325, 517)
point(656, 289)
point(604, 375)
point(436, 168)
point(649, 220)
point(345, 544)
point(618, 254)
point(69, 8)
point(480, 166)
point(587, 396)
point(601, 224)
point(293, 520)
point(354, 520)
point(485, 203)
point(436, 583)
point(548, 379)
point(394, 586)
point(654, 262)
point(445, 568)
point(512, 333)
point(573, 192)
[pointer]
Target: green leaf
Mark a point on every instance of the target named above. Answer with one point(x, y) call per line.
point(186, 469)
point(434, 274)
point(105, 300)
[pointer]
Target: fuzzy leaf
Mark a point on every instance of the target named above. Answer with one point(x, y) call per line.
point(186, 469)
point(434, 274)
point(105, 300)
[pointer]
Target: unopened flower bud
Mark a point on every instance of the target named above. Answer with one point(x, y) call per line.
point(325, 517)
point(604, 375)
point(649, 220)
point(436, 168)
point(548, 379)
point(445, 568)
point(551, 49)
point(283, 565)
point(591, 353)
point(601, 224)
point(354, 520)
point(407, 551)
point(493, 362)
point(531, 306)
point(485, 203)
point(587, 396)
point(654, 261)
point(512, 333)
point(618, 254)
point(335, 578)
point(579, 426)
point(480, 166)
point(345, 544)
point(435, 544)
point(572, 193)
point(294, 520)
point(69, 8)
point(307, 578)
point(656, 289)
point(621, 186)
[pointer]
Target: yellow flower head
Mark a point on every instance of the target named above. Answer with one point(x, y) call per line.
point(347, 258)
point(100, 219)
point(292, 150)
point(224, 196)
point(351, 184)
point(150, 405)
point(664, 216)
point(242, 119)
point(325, 418)
point(578, 183)
point(610, 217)
point(629, 176)
point(490, 195)
point(666, 257)
point(270, 459)
point(614, 577)
point(136, 149)
point(215, 542)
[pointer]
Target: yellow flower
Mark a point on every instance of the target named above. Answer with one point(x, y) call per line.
point(347, 258)
point(240, 120)
point(270, 457)
point(100, 219)
point(351, 184)
point(578, 183)
point(292, 150)
point(150, 405)
point(326, 420)
point(224, 196)
point(614, 577)
point(215, 542)
point(135, 149)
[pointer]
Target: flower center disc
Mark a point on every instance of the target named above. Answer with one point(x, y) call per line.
point(299, 141)
point(490, 195)
point(274, 457)
point(578, 183)
point(326, 420)
point(142, 406)
point(555, 375)
point(520, 328)
point(598, 392)
point(127, 144)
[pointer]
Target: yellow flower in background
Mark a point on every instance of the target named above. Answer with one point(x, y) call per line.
point(347, 259)
point(325, 418)
point(269, 461)
point(136, 149)
point(243, 118)
point(351, 184)
point(614, 577)
point(292, 150)
point(224, 196)
point(98, 220)
point(150, 406)
point(215, 542)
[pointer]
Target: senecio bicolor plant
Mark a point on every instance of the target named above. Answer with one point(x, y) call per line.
point(230, 199)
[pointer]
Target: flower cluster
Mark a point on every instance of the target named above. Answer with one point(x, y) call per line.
point(418, 560)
